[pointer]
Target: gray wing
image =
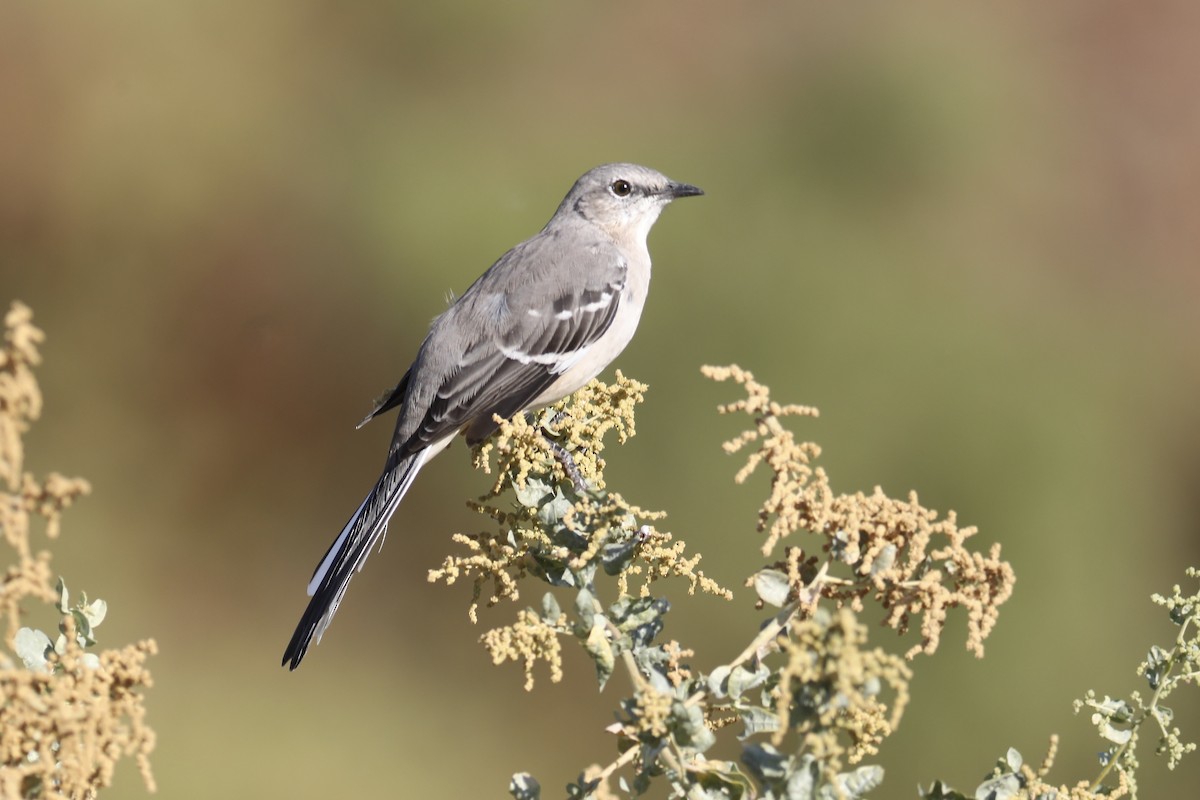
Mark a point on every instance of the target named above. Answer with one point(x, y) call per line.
point(503, 371)
point(532, 332)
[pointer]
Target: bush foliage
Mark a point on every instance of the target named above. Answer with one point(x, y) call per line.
point(807, 699)
point(68, 713)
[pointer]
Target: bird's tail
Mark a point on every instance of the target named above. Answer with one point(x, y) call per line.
point(349, 552)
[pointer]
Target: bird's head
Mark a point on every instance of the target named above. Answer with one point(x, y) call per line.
point(623, 199)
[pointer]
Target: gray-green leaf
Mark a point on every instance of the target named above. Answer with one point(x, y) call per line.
point(757, 720)
point(550, 608)
point(860, 781)
point(95, 612)
point(530, 495)
point(772, 586)
point(523, 786)
point(551, 513)
point(63, 597)
point(32, 645)
point(600, 649)
point(1003, 787)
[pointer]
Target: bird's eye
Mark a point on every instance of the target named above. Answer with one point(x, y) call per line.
point(620, 187)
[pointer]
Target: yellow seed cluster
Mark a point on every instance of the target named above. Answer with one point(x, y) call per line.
point(528, 640)
point(653, 712)
point(518, 447)
point(825, 658)
point(66, 731)
point(898, 552)
point(20, 398)
point(580, 422)
point(659, 557)
point(61, 731)
point(490, 559)
point(520, 452)
point(676, 671)
point(1037, 786)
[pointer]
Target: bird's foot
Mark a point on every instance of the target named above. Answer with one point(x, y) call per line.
point(568, 464)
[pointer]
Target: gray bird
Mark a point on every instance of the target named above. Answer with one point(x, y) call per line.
point(544, 320)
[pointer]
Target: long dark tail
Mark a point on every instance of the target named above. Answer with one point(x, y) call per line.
point(349, 552)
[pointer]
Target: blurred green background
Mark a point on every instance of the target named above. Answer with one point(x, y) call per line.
point(967, 232)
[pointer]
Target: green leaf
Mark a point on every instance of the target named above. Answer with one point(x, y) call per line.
point(1158, 664)
point(582, 789)
point(532, 493)
point(32, 646)
point(586, 575)
point(690, 728)
point(772, 586)
point(700, 791)
point(802, 784)
point(63, 598)
point(551, 513)
point(721, 779)
point(884, 560)
point(862, 780)
point(630, 614)
point(557, 577)
point(524, 787)
point(1115, 710)
point(742, 680)
point(95, 612)
point(1002, 787)
point(585, 608)
point(658, 681)
point(83, 628)
point(550, 608)
point(940, 791)
point(600, 649)
point(765, 762)
point(1114, 734)
point(758, 720)
point(718, 681)
point(616, 556)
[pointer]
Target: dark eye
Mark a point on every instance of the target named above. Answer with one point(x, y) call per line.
point(620, 187)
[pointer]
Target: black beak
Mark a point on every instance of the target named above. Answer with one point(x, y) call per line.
point(675, 190)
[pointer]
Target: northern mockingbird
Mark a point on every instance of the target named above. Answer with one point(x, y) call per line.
point(544, 320)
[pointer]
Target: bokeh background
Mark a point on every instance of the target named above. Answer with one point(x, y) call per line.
point(968, 232)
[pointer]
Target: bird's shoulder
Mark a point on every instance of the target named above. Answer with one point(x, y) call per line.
point(582, 253)
point(533, 283)
point(558, 264)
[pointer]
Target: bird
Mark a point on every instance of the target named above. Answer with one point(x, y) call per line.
point(542, 321)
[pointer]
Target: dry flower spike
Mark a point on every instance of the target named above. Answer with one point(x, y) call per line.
point(69, 715)
point(549, 527)
point(896, 551)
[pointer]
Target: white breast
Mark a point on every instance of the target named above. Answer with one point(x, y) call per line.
point(601, 352)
